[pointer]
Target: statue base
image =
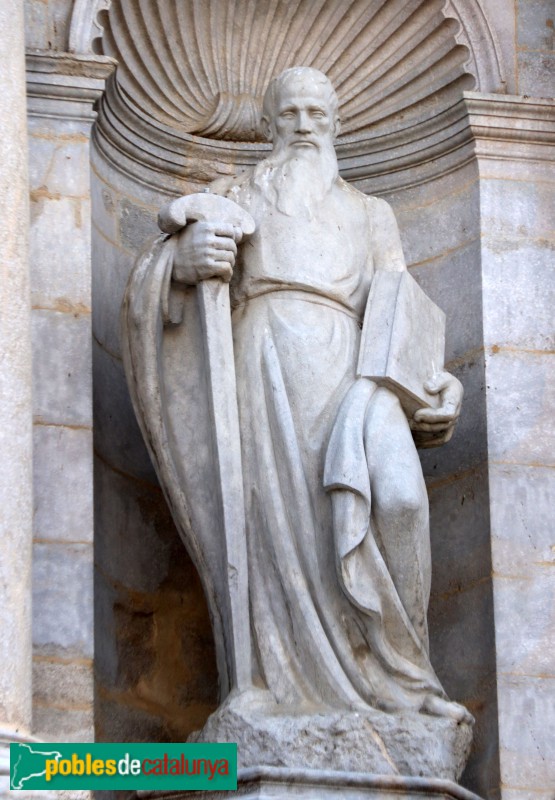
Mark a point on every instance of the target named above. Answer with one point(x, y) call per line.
point(366, 741)
point(273, 783)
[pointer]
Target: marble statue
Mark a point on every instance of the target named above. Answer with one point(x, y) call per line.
point(295, 484)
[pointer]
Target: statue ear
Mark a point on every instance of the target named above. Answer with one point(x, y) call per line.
point(266, 128)
point(337, 127)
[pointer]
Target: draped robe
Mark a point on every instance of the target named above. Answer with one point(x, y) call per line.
point(337, 593)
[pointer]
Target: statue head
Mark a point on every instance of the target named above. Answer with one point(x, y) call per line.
point(300, 109)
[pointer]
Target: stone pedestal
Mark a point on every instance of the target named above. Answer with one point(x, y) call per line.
point(274, 783)
point(371, 741)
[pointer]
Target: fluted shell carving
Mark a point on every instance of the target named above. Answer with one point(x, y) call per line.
point(202, 66)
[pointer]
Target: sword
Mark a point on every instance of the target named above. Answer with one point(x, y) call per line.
point(215, 313)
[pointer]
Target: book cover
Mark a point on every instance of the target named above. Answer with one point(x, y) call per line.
point(403, 339)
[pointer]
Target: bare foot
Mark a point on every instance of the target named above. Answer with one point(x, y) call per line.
point(438, 707)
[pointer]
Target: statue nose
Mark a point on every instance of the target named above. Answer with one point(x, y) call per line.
point(303, 123)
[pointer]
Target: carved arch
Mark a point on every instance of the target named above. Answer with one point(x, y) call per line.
point(185, 100)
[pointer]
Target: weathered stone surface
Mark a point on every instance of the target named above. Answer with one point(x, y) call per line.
point(63, 501)
point(116, 434)
point(527, 735)
point(62, 725)
point(374, 741)
point(60, 253)
point(452, 281)
point(62, 594)
point(468, 447)
point(265, 783)
point(460, 530)
point(521, 393)
point(522, 529)
point(47, 24)
point(535, 72)
point(454, 218)
point(516, 278)
point(136, 224)
point(112, 265)
point(62, 682)
point(16, 487)
point(62, 373)
point(154, 654)
point(530, 600)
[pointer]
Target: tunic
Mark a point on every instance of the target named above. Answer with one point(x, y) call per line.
point(328, 626)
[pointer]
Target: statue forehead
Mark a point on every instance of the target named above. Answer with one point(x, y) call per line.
point(303, 82)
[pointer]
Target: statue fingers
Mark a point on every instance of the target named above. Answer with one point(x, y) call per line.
point(448, 412)
point(224, 243)
point(223, 229)
point(433, 427)
point(218, 256)
point(218, 269)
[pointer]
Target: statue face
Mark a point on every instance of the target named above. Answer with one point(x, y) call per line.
point(303, 118)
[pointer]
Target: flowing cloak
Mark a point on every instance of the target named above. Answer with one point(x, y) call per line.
point(327, 623)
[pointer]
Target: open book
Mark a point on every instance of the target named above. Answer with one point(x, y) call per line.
point(403, 339)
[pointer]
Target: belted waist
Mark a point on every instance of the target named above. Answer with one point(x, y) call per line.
point(286, 293)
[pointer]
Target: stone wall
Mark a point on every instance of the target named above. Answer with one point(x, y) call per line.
point(155, 663)
point(441, 230)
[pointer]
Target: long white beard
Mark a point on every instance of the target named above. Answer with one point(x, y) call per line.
point(296, 181)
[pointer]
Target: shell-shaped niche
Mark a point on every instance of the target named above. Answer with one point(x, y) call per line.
point(202, 66)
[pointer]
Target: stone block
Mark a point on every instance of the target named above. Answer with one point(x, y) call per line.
point(525, 170)
point(50, 128)
point(437, 228)
point(63, 725)
point(62, 464)
point(519, 293)
point(47, 24)
point(460, 531)
point(59, 253)
point(111, 268)
point(453, 283)
point(522, 541)
point(117, 437)
point(527, 733)
point(520, 399)
point(535, 74)
point(515, 210)
point(535, 24)
point(62, 367)
point(62, 683)
point(59, 164)
point(525, 624)
point(63, 600)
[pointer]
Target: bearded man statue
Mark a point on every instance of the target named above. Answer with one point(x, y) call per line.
point(336, 531)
